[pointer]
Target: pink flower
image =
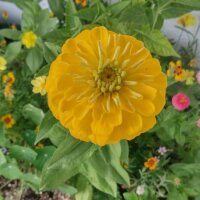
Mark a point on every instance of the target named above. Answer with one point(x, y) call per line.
point(140, 190)
point(180, 101)
point(198, 77)
point(198, 122)
point(162, 151)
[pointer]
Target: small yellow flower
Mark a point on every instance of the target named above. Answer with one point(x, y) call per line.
point(13, 27)
point(189, 77)
point(39, 146)
point(8, 92)
point(8, 120)
point(187, 20)
point(193, 63)
point(3, 43)
point(82, 2)
point(51, 14)
point(151, 163)
point(5, 14)
point(176, 70)
point(3, 63)
point(29, 39)
point(39, 85)
point(9, 78)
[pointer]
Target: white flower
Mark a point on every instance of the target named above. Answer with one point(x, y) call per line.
point(162, 151)
point(140, 190)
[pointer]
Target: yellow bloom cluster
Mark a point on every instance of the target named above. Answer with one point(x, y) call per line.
point(39, 85)
point(8, 120)
point(29, 39)
point(187, 20)
point(8, 80)
point(3, 63)
point(179, 74)
point(105, 87)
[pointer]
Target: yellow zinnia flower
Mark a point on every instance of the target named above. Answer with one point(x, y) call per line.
point(105, 87)
point(8, 120)
point(39, 85)
point(29, 39)
point(3, 63)
point(8, 78)
point(189, 77)
point(187, 20)
point(82, 2)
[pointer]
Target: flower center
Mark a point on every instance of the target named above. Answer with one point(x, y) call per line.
point(109, 79)
point(183, 100)
point(7, 120)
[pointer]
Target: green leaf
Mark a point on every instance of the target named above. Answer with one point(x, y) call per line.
point(118, 7)
point(10, 171)
point(182, 169)
point(4, 141)
point(34, 59)
point(12, 51)
point(157, 43)
point(43, 71)
point(2, 158)
point(33, 113)
point(45, 23)
point(29, 136)
point(50, 51)
point(103, 184)
point(181, 7)
point(66, 161)
point(47, 123)
point(67, 189)
point(32, 181)
point(43, 155)
point(22, 153)
point(57, 134)
point(10, 34)
point(84, 189)
point(73, 23)
point(106, 162)
point(180, 137)
point(130, 196)
point(124, 158)
point(57, 7)
point(175, 194)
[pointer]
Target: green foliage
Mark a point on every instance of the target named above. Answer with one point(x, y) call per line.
point(43, 155)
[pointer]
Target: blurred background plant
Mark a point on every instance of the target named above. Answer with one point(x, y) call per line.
point(34, 158)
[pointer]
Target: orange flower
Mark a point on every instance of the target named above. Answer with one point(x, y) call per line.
point(193, 63)
point(9, 78)
point(39, 146)
point(151, 163)
point(8, 92)
point(8, 120)
point(5, 14)
point(82, 2)
point(176, 70)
